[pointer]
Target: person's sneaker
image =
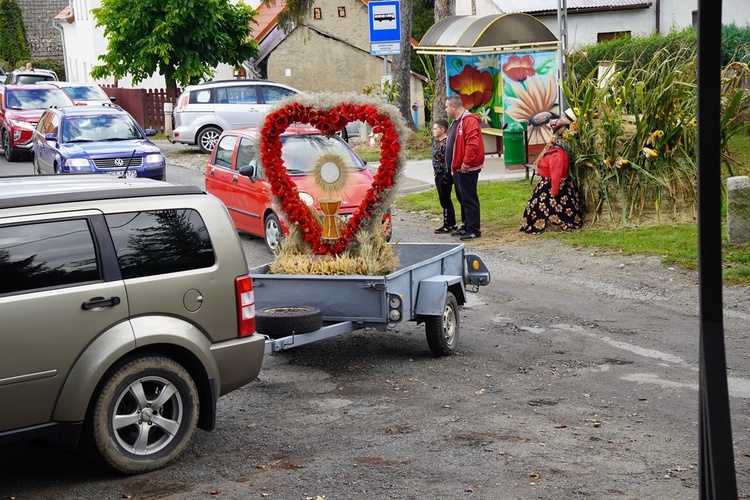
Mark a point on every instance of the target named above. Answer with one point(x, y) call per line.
point(459, 232)
point(471, 235)
point(445, 229)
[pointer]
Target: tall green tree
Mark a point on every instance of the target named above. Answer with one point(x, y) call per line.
point(443, 9)
point(14, 43)
point(183, 40)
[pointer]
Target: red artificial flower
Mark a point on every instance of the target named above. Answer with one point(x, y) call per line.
point(286, 190)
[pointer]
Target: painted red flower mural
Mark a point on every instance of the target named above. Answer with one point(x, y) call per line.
point(519, 68)
point(475, 87)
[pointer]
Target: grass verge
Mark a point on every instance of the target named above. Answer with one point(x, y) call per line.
point(677, 244)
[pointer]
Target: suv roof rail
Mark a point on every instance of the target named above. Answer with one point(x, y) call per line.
point(112, 105)
point(92, 193)
point(238, 80)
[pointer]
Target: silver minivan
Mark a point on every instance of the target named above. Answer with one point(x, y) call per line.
point(203, 111)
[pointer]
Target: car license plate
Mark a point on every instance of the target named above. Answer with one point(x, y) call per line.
point(118, 173)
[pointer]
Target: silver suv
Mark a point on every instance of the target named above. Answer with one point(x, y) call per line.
point(127, 311)
point(26, 76)
point(203, 111)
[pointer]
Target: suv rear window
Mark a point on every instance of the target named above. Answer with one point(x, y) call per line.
point(32, 256)
point(160, 242)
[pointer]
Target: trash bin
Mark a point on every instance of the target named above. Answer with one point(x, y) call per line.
point(514, 144)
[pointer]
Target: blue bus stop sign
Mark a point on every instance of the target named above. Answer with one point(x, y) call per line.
point(385, 27)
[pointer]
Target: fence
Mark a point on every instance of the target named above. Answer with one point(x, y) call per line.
point(146, 106)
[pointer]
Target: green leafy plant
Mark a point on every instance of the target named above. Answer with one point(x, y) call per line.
point(14, 42)
point(389, 92)
point(635, 138)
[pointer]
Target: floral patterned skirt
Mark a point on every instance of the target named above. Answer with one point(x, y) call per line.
point(563, 210)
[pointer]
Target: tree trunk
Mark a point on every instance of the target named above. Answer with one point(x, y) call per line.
point(169, 77)
point(443, 9)
point(402, 66)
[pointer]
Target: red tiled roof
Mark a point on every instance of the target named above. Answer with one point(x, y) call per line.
point(64, 15)
point(268, 16)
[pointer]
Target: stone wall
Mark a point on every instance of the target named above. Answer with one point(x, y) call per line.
point(45, 41)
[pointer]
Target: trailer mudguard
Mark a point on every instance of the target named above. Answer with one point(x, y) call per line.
point(433, 291)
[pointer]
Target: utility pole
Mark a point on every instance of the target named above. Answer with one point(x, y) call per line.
point(562, 26)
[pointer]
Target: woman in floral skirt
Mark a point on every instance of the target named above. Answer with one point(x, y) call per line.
point(555, 199)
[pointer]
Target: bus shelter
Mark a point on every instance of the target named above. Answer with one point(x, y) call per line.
point(504, 67)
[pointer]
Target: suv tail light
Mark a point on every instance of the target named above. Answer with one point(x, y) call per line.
point(182, 101)
point(243, 286)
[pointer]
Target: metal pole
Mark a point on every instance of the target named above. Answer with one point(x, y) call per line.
point(717, 474)
point(562, 25)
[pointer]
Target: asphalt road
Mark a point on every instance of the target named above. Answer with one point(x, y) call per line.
point(576, 376)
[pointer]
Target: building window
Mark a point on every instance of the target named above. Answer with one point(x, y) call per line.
point(342, 11)
point(317, 14)
point(695, 18)
point(603, 37)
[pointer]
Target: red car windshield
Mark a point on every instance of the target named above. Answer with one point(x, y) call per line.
point(301, 153)
point(36, 99)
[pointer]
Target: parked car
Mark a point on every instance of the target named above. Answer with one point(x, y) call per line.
point(27, 76)
point(235, 175)
point(95, 139)
point(21, 106)
point(203, 111)
point(127, 311)
point(83, 93)
point(3, 76)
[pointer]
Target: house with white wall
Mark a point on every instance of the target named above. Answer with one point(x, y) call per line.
point(83, 42)
point(592, 21)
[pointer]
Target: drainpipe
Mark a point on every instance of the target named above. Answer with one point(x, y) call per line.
point(58, 27)
point(657, 8)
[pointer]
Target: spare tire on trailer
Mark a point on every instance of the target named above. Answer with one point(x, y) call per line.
point(282, 321)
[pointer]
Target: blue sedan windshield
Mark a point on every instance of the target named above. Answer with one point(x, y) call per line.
point(100, 128)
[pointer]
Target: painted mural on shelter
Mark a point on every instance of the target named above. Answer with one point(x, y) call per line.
point(506, 88)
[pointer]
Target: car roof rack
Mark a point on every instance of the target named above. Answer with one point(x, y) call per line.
point(29, 191)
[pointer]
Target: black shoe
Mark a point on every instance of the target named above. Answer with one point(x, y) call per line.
point(445, 229)
point(471, 235)
point(459, 232)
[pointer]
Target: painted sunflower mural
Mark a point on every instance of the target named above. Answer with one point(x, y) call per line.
point(518, 87)
point(530, 92)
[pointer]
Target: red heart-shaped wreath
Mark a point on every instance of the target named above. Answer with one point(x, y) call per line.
point(328, 122)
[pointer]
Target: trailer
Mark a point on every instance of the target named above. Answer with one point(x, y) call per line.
point(431, 282)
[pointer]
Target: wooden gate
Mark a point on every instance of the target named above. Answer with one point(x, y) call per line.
point(146, 105)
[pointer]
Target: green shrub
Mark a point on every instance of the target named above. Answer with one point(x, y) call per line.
point(14, 43)
point(52, 64)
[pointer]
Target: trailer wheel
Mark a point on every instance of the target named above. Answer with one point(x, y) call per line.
point(442, 331)
point(282, 321)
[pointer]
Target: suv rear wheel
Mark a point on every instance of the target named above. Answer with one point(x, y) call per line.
point(207, 138)
point(145, 414)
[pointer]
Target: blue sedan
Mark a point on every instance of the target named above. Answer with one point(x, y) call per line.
point(95, 139)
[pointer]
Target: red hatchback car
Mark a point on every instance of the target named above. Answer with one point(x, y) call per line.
point(235, 175)
point(21, 106)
